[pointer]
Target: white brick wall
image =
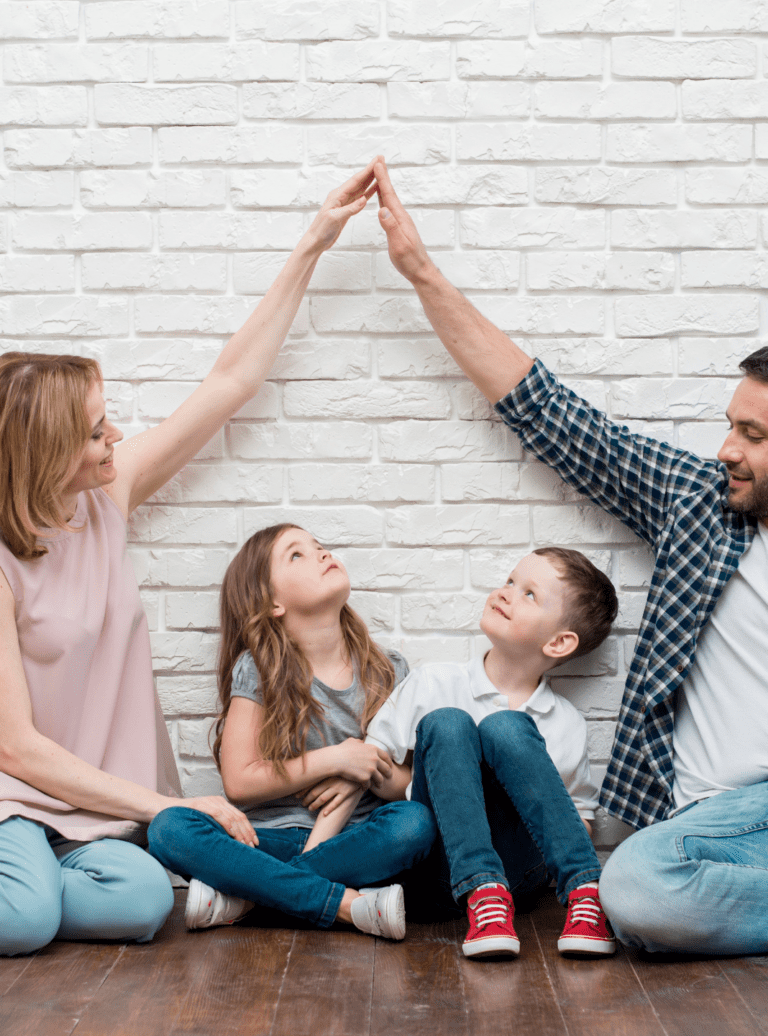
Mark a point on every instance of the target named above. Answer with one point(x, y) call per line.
point(588, 172)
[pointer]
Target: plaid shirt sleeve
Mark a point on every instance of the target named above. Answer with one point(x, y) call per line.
point(634, 478)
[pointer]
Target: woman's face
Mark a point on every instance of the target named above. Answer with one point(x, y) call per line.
point(305, 577)
point(95, 467)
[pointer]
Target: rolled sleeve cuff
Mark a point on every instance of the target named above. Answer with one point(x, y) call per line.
point(528, 395)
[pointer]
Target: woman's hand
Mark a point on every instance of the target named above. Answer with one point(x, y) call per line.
point(364, 764)
point(231, 819)
point(341, 203)
point(329, 794)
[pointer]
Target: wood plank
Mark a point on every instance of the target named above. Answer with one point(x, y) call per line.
point(498, 991)
point(10, 970)
point(601, 997)
point(52, 993)
point(749, 977)
point(693, 995)
point(236, 991)
point(418, 987)
point(327, 985)
point(150, 983)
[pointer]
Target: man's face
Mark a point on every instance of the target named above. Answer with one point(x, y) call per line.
point(745, 450)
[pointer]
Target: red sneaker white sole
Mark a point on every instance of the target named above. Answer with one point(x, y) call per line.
point(492, 946)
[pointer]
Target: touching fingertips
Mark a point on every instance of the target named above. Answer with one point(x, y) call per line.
point(384, 213)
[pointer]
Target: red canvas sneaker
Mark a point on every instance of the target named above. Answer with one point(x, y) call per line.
point(491, 933)
point(587, 931)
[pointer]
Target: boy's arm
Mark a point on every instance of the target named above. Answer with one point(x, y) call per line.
point(393, 788)
point(332, 819)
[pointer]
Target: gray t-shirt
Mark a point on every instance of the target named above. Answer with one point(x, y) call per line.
point(342, 709)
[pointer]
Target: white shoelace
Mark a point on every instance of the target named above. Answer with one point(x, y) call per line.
point(491, 910)
point(586, 909)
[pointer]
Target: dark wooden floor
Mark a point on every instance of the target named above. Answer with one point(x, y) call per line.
point(249, 980)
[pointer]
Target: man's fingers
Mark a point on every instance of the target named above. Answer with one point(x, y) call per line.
point(388, 199)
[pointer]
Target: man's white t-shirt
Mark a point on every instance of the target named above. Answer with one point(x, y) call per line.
point(721, 716)
point(466, 686)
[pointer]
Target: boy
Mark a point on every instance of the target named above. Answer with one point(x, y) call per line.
point(502, 760)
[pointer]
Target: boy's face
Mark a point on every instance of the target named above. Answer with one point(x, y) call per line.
point(526, 613)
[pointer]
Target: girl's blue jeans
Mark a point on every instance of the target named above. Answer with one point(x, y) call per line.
point(277, 874)
point(697, 883)
point(503, 812)
point(52, 889)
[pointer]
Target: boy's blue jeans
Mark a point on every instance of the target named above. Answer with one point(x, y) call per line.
point(276, 874)
point(501, 807)
point(697, 883)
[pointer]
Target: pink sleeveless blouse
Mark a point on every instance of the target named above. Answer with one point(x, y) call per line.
point(87, 659)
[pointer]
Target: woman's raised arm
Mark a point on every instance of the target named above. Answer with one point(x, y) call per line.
point(146, 461)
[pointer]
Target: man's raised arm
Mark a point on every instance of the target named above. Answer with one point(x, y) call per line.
point(484, 353)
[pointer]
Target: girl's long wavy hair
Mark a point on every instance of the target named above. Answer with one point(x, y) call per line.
point(44, 427)
point(285, 676)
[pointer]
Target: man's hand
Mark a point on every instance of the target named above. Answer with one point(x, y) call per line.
point(406, 249)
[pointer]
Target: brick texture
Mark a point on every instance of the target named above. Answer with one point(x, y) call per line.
point(590, 174)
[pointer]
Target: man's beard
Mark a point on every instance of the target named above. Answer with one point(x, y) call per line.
point(755, 503)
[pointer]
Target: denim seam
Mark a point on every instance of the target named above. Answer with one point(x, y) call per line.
point(332, 904)
point(583, 878)
point(470, 884)
point(735, 833)
point(474, 880)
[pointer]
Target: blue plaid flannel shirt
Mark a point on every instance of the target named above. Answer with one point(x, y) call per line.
point(674, 501)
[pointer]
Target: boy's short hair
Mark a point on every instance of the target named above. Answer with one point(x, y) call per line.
point(591, 604)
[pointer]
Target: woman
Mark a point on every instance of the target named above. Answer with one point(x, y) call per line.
point(85, 761)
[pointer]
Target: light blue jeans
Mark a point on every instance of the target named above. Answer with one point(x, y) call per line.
point(91, 890)
point(697, 883)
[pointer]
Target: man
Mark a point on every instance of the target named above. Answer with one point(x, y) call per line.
point(690, 758)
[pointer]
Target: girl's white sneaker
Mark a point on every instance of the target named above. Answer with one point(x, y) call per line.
point(207, 908)
point(380, 912)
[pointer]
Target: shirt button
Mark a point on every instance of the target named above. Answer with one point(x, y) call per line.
point(679, 668)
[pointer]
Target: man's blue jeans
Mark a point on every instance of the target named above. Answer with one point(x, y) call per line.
point(276, 873)
point(697, 883)
point(501, 807)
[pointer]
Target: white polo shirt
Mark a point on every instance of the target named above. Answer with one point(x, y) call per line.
point(466, 686)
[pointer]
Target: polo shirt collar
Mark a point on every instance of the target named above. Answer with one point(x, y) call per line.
point(541, 701)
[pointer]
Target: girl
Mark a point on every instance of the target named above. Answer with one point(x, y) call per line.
point(85, 761)
point(299, 678)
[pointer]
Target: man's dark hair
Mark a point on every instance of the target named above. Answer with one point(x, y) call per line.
point(756, 365)
point(591, 604)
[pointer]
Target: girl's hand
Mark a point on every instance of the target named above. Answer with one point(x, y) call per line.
point(231, 819)
point(329, 794)
point(343, 202)
point(364, 764)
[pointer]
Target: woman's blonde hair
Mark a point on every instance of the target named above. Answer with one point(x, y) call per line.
point(43, 428)
point(285, 676)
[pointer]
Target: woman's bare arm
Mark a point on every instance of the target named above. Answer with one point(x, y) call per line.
point(29, 756)
point(145, 462)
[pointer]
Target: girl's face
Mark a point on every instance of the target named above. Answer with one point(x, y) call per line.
point(305, 577)
point(95, 467)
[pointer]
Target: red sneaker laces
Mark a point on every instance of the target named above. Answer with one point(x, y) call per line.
point(491, 909)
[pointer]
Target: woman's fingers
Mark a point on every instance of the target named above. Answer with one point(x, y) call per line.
point(234, 822)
